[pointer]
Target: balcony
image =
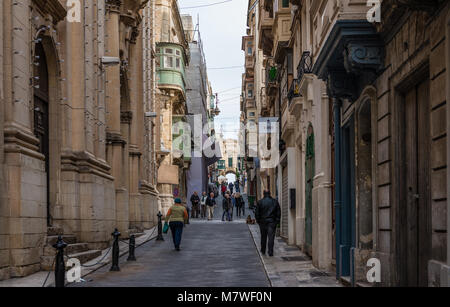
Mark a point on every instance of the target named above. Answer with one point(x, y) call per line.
point(271, 80)
point(265, 24)
point(300, 87)
point(304, 67)
point(250, 65)
point(265, 106)
point(281, 30)
point(250, 103)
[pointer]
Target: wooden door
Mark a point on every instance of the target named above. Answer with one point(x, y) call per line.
point(416, 186)
point(285, 204)
point(41, 114)
point(309, 177)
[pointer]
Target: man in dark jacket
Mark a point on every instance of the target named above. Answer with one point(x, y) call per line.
point(226, 206)
point(195, 200)
point(267, 215)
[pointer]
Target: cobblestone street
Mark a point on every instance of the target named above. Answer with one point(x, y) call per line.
point(213, 254)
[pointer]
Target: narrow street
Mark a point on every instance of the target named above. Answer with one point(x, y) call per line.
point(213, 254)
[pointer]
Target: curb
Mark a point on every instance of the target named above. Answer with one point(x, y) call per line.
point(260, 257)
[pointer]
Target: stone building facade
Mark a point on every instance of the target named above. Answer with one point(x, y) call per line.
point(362, 107)
point(75, 145)
point(172, 52)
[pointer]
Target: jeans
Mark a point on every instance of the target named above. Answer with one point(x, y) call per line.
point(177, 230)
point(228, 215)
point(267, 232)
point(210, 212)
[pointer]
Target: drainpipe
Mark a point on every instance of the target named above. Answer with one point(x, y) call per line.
point(337, 174)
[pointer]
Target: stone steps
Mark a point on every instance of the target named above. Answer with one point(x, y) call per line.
point(70, 249)
point(69, 239)
point(86, 255)
point(54, 231)
point(74, 249)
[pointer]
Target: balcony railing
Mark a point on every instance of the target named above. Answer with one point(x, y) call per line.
point(294, 90)
point(305, 66)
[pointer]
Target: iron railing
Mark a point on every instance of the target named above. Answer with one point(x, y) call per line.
point(305, 66)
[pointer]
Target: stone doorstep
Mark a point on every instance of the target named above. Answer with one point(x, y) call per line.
point(54, 231)
point(70, 249)
point(69, 239)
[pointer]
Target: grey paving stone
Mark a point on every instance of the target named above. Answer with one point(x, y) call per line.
point(213, 254)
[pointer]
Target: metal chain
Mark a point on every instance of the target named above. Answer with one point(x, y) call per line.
point(49, 272)
point(104, 256)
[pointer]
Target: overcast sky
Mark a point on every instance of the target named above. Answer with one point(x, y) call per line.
point(222, 27)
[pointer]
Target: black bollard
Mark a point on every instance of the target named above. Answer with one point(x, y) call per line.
point(132, 244)
point(115, 251)
point(60, 267)
point(160, 236)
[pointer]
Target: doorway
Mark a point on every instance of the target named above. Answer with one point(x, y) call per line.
point(415, 234)
point(347, 222)
point(309, 183)
point(41, 115)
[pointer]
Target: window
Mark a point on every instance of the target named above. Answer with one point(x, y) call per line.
point(221, 164)
point(169, 50)
point(178, 52)
point(230, 162)
point(178, 63)
point(285, 3)
point(250, 51)
point(168, 61)
point(250, 93)
point(252, 114)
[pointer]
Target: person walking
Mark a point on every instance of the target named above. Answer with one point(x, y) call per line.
point(231, 186)
point(203, 205)
point(233, 203)
point(210, 205)
point(267, 215)
point(195, 201)
point(224, 189)
point(237, 187)
point(226, 205)
point(177, 217)
point(239, 205)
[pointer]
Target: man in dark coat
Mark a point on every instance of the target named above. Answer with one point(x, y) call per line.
point(195, 200)
point(226, 206)
point(268, 215)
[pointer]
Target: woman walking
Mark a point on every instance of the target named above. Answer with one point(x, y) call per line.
point(177, 216)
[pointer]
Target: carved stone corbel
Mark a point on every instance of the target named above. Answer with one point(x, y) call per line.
point(53, 8)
